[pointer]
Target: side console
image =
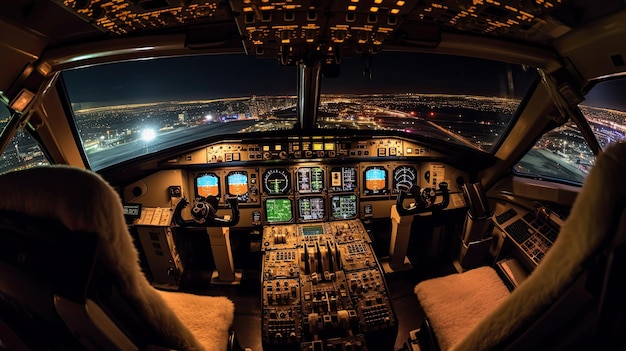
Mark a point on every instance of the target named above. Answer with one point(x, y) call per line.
point(531, 233)
point(323, 289)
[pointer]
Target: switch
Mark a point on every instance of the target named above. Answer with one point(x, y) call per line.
point(175, 191)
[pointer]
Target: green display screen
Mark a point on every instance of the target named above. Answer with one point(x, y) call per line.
point(344, 206)
point(278, 210)
point(312, 230)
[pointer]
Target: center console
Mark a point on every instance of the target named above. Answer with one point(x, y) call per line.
point(324, 289)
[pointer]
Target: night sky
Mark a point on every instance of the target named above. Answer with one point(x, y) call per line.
point(220, 76)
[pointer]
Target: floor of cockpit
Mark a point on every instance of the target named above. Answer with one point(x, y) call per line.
point(247, 295)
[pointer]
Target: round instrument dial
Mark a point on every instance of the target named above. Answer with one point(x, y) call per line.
point(404, 175)
point(276, 181)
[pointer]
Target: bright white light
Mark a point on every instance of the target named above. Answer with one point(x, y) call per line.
point(148, 134)
point(208, 118)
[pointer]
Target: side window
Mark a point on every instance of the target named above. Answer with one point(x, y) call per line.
point(563, 154)
point(22, 151)
point(605, 110)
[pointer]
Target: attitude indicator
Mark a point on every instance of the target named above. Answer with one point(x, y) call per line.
point(375, 180)
point(237, 185)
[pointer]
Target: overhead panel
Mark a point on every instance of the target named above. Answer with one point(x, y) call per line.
point(314, 31)
point(127, 16)
point(522, 20)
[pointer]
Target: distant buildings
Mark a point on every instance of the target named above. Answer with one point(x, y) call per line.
point(475, 121)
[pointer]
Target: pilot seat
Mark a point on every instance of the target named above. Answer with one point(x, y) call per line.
point(572, 300)
point(70, 277)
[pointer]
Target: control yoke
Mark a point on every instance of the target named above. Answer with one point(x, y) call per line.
point(204, 213)
point(424, 199)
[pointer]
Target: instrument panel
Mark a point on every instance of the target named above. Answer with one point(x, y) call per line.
point(315, 192)
point(305, 148)
point(343, 179)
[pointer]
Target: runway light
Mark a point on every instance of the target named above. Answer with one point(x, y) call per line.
point(148, 134)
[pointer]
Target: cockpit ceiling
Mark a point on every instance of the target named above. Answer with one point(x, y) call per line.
point(268, 27)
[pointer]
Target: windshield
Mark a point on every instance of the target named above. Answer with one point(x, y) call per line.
point(126, 110)
point(461, 100)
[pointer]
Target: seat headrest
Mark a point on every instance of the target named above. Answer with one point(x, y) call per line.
point(78, 198)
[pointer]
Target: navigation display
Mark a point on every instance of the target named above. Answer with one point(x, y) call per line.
point(343, 179)
point(343, 206)
point(278, 210)
point(404, 175)
point(207, 184)
point(311, 208)
point(375, 179)
point(310, 180)
point(276, 181)
point(237, 185)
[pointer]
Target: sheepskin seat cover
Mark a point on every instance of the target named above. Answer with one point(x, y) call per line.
point(455, 303)
point(585, 230)
point(82, 200)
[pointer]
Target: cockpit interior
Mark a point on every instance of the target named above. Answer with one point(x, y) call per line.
point(312, 175)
